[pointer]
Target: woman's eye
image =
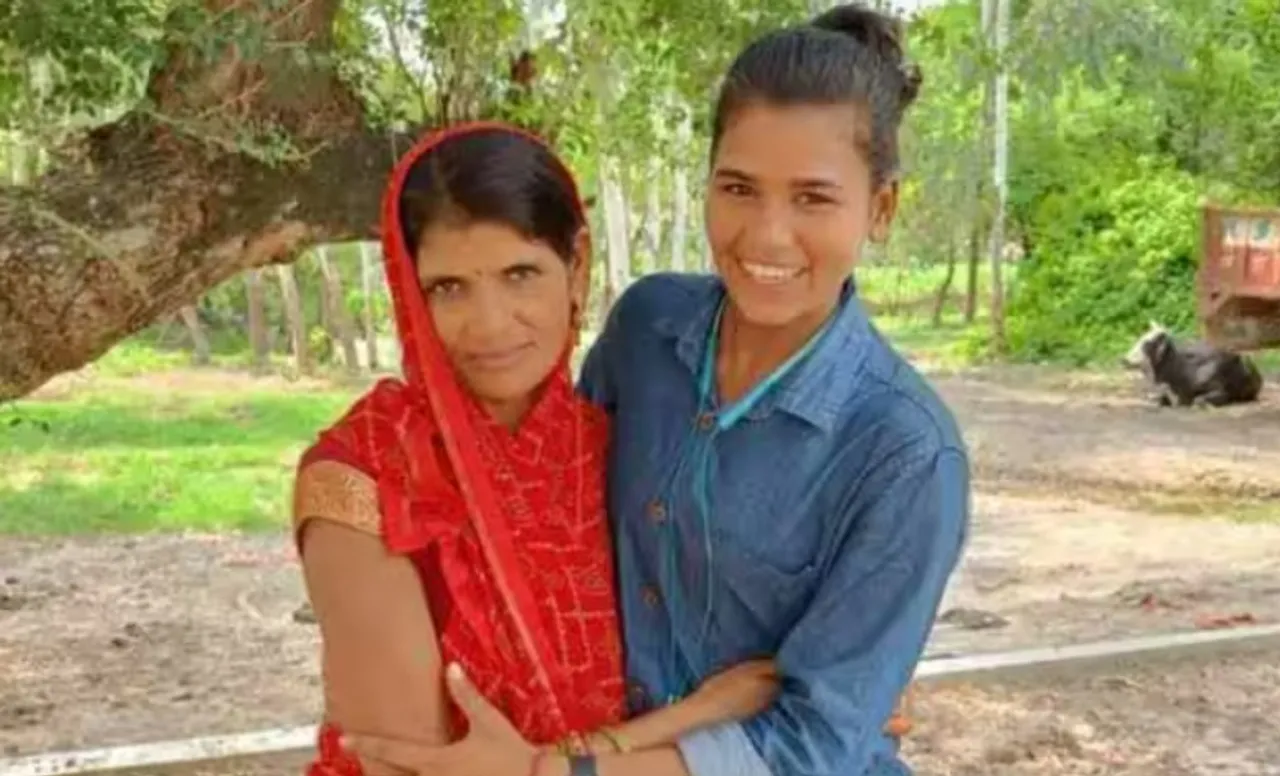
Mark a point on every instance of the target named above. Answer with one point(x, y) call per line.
point(443, 289)
point(736, 189)
point(523, 273)
point(809, 199)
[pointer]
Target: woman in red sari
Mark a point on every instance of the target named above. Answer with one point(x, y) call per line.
point(456, 517)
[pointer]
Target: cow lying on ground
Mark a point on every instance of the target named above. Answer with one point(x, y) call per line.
point(1193, 374)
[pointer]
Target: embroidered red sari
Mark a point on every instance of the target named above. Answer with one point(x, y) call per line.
point(507, 530)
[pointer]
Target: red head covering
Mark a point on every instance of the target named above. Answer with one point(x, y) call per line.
point(507, 530)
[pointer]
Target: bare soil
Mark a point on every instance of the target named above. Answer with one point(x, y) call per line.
point(1096, 517)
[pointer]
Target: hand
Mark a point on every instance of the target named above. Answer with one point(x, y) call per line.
point(492, 746)
point(740, 692)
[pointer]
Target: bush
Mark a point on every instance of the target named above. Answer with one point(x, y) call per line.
point(1107, 256)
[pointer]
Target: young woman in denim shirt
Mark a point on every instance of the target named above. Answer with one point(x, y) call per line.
point(782, 483)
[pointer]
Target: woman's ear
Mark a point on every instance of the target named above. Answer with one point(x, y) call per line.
point(884, 206)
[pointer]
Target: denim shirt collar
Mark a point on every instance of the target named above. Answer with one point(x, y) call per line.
point(820, 385)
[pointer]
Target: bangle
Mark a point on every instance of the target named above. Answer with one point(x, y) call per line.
point(573, 744)
point(583, 765)
point(615, 740)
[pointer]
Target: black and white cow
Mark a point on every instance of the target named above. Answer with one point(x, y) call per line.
point(1194, 374)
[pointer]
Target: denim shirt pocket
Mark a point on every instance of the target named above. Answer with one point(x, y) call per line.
point(759, 595)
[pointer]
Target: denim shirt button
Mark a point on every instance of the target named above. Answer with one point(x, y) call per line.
point(637, 694)
point(650, 595)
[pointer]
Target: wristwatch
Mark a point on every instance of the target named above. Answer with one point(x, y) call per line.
point(583, 765)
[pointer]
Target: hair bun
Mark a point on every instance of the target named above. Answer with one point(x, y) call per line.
point(912, 79)
point(869, 27)
point(880, 33)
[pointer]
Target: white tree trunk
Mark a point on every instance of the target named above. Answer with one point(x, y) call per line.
point(680, 220)
point(341, 330)
point(652, 219)
point(1000, 171)
point(255, 298)
point(293, 316)
point(201, 352)
point(618, 258)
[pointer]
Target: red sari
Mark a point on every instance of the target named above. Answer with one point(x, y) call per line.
point(506, 530)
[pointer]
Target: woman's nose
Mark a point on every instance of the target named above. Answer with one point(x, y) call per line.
point(490, 313)
point(769, 231)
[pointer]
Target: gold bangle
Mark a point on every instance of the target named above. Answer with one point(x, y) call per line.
point(615, 740)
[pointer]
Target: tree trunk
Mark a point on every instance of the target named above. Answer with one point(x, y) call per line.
point(680, 219)
point(201, 354)
point(1000, 174)
point(143, 215)
point(652, 218)
point(256, 302)
point(296, 322)
point(944, 289)
point(979, 214)
point(366, 316)
point(617, 242)
point(339, 319)
point(971, 283)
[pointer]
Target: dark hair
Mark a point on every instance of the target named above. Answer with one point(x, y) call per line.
point(849, 54)
point(493, 176)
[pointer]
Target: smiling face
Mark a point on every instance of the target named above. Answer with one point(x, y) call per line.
point(790, 205)
point(502, 307)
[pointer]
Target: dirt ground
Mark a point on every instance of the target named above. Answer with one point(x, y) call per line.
point(1083, 531)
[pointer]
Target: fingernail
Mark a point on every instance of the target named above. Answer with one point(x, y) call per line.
point(454, 671)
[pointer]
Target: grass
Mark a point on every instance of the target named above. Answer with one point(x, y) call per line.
point(935, 347)
point(144, 442)
point(889, 283)
point(139, 460)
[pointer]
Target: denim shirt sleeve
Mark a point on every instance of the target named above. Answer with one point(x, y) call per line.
point(724, 750)
point(853, 652)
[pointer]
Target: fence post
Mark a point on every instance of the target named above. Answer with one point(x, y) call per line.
point(256, 300)
point(293, 315)
point(339, 321)
point(199, 341)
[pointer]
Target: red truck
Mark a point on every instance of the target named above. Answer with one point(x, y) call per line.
point(1238, 283)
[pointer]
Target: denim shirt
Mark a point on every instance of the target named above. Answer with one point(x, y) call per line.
point(838, 509)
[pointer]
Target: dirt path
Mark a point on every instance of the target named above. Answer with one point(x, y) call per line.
point(1185, 720)
point(160, 637)
point(1056, 434)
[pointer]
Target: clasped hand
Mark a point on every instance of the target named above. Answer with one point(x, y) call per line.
point(493, 746)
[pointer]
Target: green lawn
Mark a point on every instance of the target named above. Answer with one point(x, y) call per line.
point(125, 461)
point(147, 443)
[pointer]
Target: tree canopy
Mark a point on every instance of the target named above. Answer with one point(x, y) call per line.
point(154, 148)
